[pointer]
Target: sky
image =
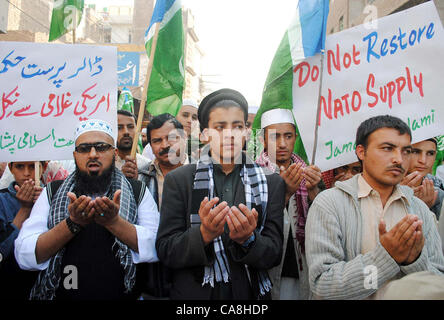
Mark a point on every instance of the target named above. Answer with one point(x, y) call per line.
point(239, 39)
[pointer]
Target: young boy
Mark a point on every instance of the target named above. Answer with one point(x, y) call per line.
point(16, 203)
point(221, 218)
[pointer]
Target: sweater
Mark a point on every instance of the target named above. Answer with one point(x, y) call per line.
point(337, 269)
point(9, 206)
point(15, 283)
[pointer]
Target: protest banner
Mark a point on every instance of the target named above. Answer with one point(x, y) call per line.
point(395, 69)
point(46, 89)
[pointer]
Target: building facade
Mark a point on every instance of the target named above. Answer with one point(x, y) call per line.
point(349, 13)
point(193, 59)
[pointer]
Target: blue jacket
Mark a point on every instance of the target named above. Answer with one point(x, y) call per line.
point(9, 206)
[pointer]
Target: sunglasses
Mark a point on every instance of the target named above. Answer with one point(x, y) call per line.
point(98, 146)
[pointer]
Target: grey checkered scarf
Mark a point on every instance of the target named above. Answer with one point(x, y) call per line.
point(49, 279)
point(256, 191)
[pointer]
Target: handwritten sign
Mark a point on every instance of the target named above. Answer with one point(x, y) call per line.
point(46, 89)
point(128, 65)
point(396, 69)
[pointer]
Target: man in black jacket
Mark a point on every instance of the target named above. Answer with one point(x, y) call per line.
point(222, 218)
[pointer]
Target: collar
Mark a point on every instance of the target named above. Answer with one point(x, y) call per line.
point(364, 190)
point(264, 161)
point(11, 188)
point(154, 165)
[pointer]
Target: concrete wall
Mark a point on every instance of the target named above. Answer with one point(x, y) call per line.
point(353, 14)
point(143, 10)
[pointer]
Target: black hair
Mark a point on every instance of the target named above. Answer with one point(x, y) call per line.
point(223, 98)
point(127, 113)
point(226, 104)
point(369, 126)
point(159, 121)
point(434, 141)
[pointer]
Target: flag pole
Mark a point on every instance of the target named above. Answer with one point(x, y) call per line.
point(145, 91)
point(37, 173)
point(74, 27)
point(315, 144)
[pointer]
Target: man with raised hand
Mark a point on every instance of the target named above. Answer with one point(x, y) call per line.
point(16, 203)
point(187, 116)
point(126, 128)
point(426, 186)
point(221, 218)
point(370, 230)
point(95, 226)
point(278, 135)
point(168, 140)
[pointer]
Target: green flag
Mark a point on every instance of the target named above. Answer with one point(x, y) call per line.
point(439, 153)
point(304, 37)
point(126, 101)
point(63, 15)
point(167, 76)
point(278, 91)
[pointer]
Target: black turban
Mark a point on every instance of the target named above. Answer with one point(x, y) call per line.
point(203, 113)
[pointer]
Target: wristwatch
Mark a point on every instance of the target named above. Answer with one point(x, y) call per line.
point(72, 226)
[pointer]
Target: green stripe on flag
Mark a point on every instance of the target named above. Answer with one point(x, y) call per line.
point(278, 90)
point(126, 101)
point(439, 153)
point(62, 19)
point(167, 76)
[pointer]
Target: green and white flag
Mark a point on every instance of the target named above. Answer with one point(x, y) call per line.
point(304, 38)
point(66, 15)
point(167, 76)
point(126, 101)
point(439, 153)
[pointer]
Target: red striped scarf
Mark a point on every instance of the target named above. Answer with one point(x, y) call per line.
point(301, 195)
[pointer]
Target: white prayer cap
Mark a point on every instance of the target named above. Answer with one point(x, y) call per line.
point(190, 102)
point(276, 116)
point(253, 109)
point(144, 130)
point(93, 125)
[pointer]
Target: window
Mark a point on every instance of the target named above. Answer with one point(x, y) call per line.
point(341, 23)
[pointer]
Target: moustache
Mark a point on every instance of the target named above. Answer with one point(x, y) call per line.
point(126, 136)
point(397, 167)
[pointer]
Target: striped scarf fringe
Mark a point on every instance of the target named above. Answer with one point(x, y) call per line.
point(300, 197)
point(48, 280)
point(256, 191)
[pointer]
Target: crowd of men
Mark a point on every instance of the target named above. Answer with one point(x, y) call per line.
point(198, 215)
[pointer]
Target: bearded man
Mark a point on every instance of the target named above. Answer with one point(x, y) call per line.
point(86, 233)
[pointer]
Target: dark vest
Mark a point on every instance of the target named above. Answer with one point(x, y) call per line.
point(93, 253)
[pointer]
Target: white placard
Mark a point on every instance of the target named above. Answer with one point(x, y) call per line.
point(46, 89)
point(396, 69)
